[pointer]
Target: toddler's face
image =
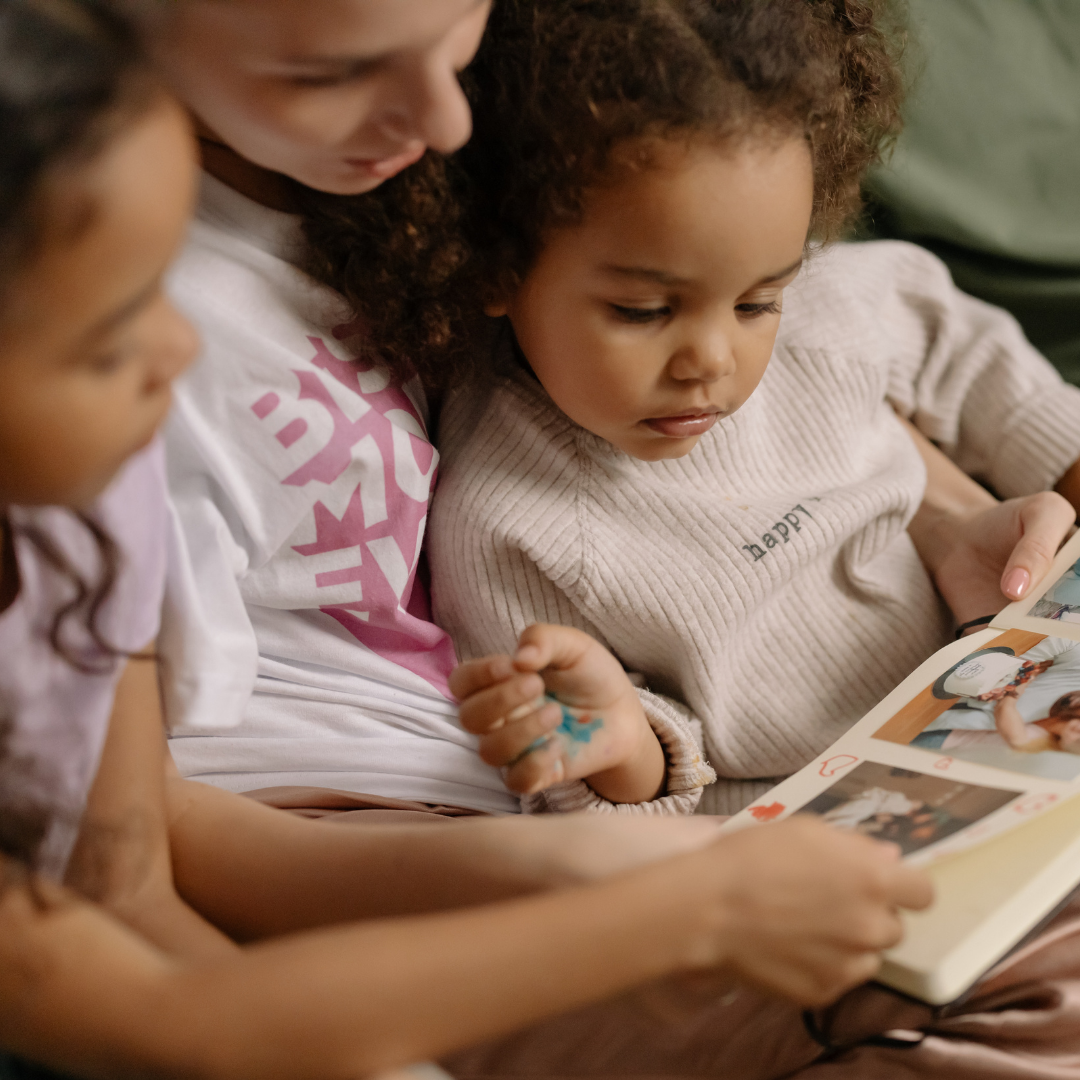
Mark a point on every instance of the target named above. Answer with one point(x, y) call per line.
point(89, 344)
point(655, 317)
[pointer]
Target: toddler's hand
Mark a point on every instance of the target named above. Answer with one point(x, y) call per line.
point(561, 708)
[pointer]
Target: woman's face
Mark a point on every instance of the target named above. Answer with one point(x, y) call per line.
point(337, 94)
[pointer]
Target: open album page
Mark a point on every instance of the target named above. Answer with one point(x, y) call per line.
point(983, 736)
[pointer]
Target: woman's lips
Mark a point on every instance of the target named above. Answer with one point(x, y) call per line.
point(685, 426)
point(383, 168)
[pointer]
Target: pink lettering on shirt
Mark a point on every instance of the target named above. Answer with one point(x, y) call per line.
point(393, 616)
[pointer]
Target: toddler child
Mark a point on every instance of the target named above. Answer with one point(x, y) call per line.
point(645, 452)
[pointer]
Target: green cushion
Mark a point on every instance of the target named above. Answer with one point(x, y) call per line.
point(987, 171)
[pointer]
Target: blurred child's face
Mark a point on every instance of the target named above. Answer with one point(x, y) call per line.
point(88, 342)
point(655, 317)
point(1068, 732)
point(338, 94)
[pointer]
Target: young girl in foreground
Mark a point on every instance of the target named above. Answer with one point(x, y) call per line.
point(97, 174)
point(634, 210)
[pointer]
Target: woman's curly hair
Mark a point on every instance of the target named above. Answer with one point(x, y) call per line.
point(557, 88)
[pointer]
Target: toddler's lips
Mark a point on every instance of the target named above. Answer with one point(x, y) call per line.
point(683, 427)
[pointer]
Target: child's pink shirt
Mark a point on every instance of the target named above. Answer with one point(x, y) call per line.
point(60, 715)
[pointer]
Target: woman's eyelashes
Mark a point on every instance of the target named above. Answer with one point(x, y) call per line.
point(330, 77)
point(625, 313)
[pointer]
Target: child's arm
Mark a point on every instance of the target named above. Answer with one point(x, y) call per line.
point(796, 907)
point(1011, 725)
point(256, 871)
point(981, 553)
point(561, 708)
point(121, 858)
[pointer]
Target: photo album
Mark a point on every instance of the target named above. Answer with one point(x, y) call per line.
point(972, 767)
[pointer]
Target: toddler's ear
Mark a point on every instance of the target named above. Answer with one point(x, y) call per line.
point(497, 310)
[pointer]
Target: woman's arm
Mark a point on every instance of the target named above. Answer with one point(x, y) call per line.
point(982, 553)
point(1069, 485)
point(798, 908)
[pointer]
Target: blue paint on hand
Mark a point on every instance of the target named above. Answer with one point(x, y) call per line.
point(577, 724)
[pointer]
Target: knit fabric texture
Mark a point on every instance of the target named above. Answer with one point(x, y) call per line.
point(765, 581)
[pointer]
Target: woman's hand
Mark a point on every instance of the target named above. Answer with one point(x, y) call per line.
point(561, 708)
point(984, 560)
point(982, 553)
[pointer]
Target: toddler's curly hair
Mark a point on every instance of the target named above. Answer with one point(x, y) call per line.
point(558, 88)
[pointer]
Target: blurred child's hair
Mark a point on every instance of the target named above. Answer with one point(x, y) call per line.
point(71, 71)
point(557, 88)
point(1067, 707)
point(71, 75)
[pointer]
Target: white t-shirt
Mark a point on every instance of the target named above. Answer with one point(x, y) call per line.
point(297, 631)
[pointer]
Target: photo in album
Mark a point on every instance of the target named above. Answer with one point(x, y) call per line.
point(907, 808)
point(1014, 705)
point(1061, 601)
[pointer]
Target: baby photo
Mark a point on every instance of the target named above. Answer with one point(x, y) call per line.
point(904, 807)
point(1062, 600)
point(1013, 705)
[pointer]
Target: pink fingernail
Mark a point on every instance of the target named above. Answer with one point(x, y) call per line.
point(1016, 582)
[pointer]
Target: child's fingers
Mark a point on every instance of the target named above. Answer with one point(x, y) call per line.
point(489, 709)
point(543, 645)
point(509, 743)
point(538, 769)
point(474, 675)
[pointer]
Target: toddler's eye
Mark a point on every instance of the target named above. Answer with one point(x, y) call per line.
point(753, 311)
point(640, 314)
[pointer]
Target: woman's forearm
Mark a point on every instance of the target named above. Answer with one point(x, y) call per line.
point(951, 496)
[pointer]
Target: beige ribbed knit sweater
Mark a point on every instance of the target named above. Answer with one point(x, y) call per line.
point(766, 579)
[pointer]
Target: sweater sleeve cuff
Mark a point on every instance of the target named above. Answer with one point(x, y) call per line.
point(687, 770)
point(1041, 443)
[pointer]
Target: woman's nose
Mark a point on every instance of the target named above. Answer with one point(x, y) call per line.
point(429, 106)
